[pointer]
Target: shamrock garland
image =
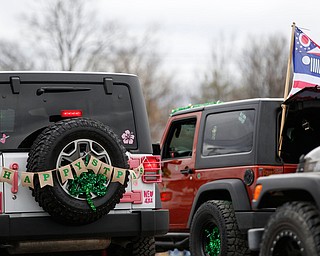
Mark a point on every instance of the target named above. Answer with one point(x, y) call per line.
point(87, 183)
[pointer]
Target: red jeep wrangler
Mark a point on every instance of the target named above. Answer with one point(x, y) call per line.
point(212, 156)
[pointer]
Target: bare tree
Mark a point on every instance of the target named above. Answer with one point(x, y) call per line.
point(65, 35)
point(218, 83)
point(140, 56)
point(68, 37)
point(263, 67)
point(13, 57)
point(259, 71)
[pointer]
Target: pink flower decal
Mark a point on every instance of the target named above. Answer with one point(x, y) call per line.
point(127, 137)
point(3, 139)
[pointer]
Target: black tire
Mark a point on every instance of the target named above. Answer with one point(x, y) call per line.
point(143, 246)
point(214, 231)
point(61, 144)
point(138, 246)
point(293, 230)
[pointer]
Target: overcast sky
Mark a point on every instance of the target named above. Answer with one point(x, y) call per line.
point(190, 28)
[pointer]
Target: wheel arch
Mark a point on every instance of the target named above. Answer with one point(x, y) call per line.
point(232, 190)
point(278, 190)
point(28, 141)
point(276, 198)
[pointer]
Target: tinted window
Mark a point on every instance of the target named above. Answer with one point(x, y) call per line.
point(7, 119)
point(114, 110)
point(180, 140)
point(230, 132)
point(8, 114)
point(23, 114)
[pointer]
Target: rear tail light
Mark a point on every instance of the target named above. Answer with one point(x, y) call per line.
point(151, 167)
point(71, 113)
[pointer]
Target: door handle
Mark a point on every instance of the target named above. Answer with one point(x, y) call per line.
point(186, 171)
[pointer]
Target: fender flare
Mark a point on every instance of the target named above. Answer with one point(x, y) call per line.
point(302, 182)
point(236, 189)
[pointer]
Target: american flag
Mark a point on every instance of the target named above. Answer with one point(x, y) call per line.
point(306, 62)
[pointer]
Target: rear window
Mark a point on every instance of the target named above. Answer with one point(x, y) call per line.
point(27, 112)
point(7, 119)
point(229, 132)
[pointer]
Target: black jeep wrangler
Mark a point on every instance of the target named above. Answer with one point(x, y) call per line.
point(54, 124)
point(292, 199)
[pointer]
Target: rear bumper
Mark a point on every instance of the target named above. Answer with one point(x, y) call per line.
point(140, 223)
point(255, 238)
point(253, 223)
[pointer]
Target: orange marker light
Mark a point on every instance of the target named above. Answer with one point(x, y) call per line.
point(257, 192)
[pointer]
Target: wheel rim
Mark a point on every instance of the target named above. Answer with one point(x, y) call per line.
point(287, 243)
point(73, 151)
point(211, 240)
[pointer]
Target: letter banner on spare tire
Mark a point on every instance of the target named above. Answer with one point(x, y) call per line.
point(45, 178)
point(114, 174)
point(79, 167)
point(7, 175)
point(66, 173)
point(137, 172)
point(27, 179)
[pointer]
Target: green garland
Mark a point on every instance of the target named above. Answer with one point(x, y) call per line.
point(194, 106)
point(87, 183)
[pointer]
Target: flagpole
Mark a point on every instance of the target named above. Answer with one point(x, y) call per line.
point(286, 88)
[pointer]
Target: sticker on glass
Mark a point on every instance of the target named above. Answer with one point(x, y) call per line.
point(242, 117)
point(4, 138)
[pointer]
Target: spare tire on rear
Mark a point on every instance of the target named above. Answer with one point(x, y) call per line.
point(63, 143)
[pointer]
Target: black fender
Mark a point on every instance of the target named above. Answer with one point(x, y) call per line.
point(288, 187)
point(226, 189)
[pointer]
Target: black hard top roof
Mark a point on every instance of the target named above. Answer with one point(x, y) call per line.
point(306, 94)
point(62, 76)
point(202, 107)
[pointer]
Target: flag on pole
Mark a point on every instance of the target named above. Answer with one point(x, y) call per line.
point(306, 62)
